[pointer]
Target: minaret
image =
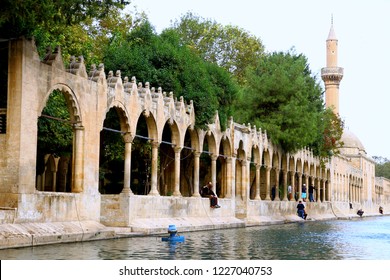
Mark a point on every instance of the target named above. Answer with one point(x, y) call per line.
point(332, 74)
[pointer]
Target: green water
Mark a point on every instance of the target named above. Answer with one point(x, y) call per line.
point(363, 239)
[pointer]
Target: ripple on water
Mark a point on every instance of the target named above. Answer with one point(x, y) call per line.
point(367, 238)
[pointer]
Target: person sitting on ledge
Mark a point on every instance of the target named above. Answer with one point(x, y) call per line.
point(360, 212)
point(206, 191)
point(380, 209)
point(301, 210)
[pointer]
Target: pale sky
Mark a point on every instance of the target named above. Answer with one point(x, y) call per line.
point(362, 30)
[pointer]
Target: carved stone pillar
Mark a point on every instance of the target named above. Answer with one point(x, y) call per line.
point(293, 187)
point(214, 172)
point(153, 189)
point(299, 185)
point(323, 191)
point(243, 179)
point(127, 168)
point(277, 197)
point(229, 177)
point(196, 174)
point(257, 196)
point(77, 185)
point(267, 183)
point(307, 186)
point(285, 173)
point(176, 191)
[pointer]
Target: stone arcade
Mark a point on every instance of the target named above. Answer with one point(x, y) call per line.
point(244, 163)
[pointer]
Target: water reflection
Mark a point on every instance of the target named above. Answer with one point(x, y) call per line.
point(367, 238)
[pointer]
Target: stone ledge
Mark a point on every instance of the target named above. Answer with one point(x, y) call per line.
point(33, 234)
point(157, 226)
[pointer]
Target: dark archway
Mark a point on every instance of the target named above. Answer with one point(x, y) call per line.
point(55, 145)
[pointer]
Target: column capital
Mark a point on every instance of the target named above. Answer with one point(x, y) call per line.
point(127, 137)
point(177, 149)
point(78, 126)
point(197, 154)
point(155, 144)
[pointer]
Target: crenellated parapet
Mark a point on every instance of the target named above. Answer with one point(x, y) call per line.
point(77, 67)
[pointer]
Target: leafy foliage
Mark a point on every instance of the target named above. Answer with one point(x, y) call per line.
point(55, 134)
point(198, 59)
point(283, 99)
point(229, 46)
point(171, 65)
point(20, 18)
point(330, 130)
point(382, 167)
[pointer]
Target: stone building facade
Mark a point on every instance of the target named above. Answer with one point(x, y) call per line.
point(244, 164)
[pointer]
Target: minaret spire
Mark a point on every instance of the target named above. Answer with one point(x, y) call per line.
point(332, 74)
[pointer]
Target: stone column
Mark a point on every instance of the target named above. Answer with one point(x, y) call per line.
point(196, 174)
point(292, 178)
point(214, 172)
point(285, 173)
point(299, 185)
point(323, 191)
point(127, 177)
point(153, 189)
point(247, 178)
point(307, 187)
point(176, 191)
point(267, 183)
point(318, 194)
point(257, 196)
point(320, 198)
point(277, 173)
point(229, 177)
point(243, 179)
point(78, 153)
point(233, 175)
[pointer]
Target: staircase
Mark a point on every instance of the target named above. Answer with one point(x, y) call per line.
point(338, 213)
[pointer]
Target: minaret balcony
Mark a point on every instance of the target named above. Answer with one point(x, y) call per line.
point(332, 73)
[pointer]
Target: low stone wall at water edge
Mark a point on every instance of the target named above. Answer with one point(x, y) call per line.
point(34, 234)
point(153, 214)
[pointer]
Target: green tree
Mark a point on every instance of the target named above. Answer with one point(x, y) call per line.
point(283, 98)
point(54, 127)
point(21, 18)
point(382, 167)
point(230, 47)
point(165, 62)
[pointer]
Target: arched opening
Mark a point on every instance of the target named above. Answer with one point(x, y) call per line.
point(111, 156)
point(264, 175)
point(240, 172)
point(55, 145)
point(141, 159)
point(205, 175)
point(187, 167)
point(254, 164)
point(167, 163)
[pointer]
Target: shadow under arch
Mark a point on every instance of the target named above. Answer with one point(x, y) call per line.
point(112, 150)
point(60, 134)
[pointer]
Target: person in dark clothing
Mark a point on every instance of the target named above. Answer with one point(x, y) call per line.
point(301, 210)
point(206, 191)
point(311, 193)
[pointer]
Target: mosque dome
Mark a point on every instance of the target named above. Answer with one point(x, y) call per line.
point(352, 144)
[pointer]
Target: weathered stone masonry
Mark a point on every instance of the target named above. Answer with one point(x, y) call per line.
point(244, 153)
